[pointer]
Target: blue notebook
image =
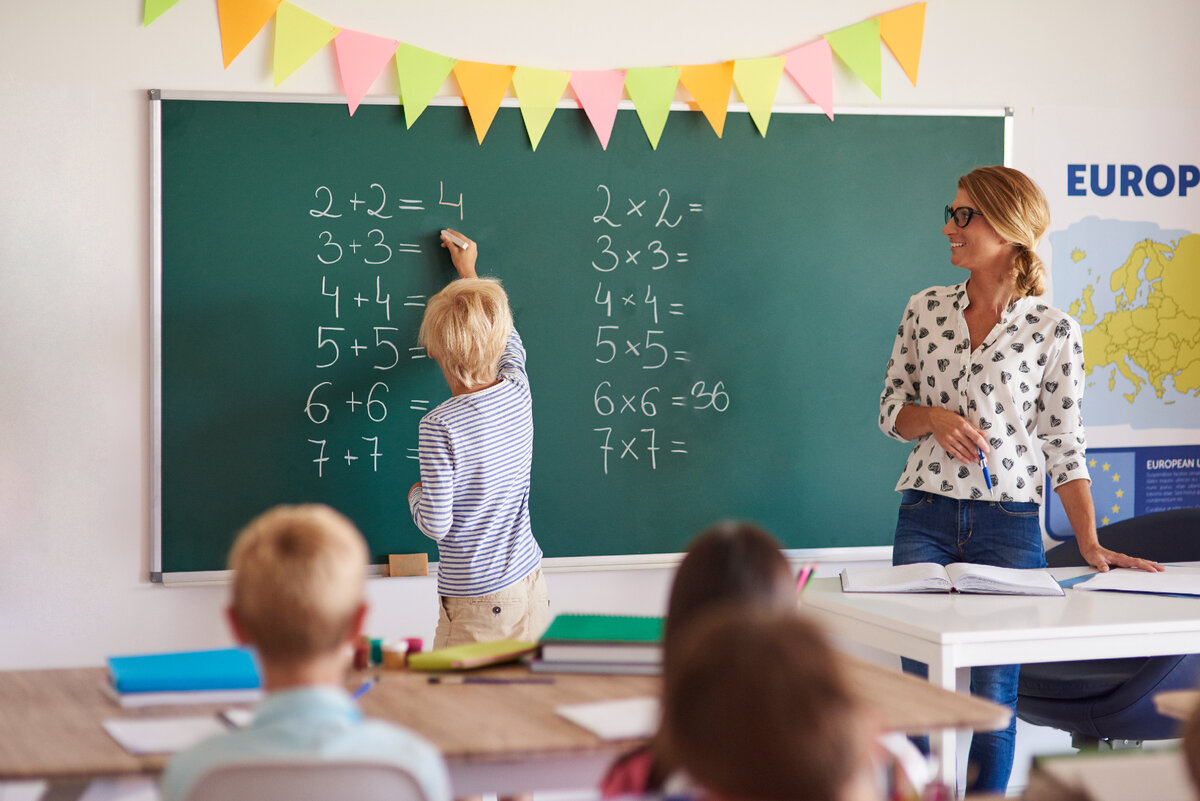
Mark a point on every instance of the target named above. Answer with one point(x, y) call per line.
point(222, 669)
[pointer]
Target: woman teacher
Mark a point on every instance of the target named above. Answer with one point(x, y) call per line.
point(986, 378)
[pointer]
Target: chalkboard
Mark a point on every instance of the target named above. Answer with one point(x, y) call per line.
point(707, 323)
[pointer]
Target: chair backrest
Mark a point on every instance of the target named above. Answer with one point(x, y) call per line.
point(1172, 536)
point(307, 781)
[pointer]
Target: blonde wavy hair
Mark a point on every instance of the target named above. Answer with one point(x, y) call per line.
point(298, 581)
point(1016, 208)
point(466, 328)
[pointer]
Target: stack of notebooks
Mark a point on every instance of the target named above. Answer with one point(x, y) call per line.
point(577, 643)
point(223, 676)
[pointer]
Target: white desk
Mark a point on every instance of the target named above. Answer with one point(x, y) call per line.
point(953, 632)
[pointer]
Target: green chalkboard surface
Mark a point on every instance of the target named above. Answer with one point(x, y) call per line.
point(707, 323)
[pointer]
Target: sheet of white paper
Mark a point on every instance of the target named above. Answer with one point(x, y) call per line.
point(126, 788)
point(1175, 580)
point(615, 720)
point(162, 735)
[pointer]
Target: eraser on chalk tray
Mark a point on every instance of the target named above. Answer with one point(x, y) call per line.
point(408, 564)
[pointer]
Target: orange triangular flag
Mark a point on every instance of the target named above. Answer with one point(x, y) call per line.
point(241, 20)
point(902, 31)
point(710, 85)
point(483, 86)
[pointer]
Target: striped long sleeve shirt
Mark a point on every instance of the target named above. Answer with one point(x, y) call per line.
point(475, 455)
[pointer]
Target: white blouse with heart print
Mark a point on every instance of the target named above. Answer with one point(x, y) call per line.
point(1022, 387)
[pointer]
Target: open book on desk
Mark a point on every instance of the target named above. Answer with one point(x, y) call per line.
point(956, 577)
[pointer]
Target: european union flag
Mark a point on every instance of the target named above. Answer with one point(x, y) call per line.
point(1114, 489)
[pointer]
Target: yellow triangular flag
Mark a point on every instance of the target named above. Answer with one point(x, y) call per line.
point(420, 73)
point(153, 9)
point(858, 48)
point(710, 85)
point(757, 81)
point(538, 92)
point(902, 31)
point(241, 20)
point(298, 35)
point(652, 89)
point(483, 86)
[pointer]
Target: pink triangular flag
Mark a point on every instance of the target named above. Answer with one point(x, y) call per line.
point(360, 58)
point(599, 94)
point(811, 67)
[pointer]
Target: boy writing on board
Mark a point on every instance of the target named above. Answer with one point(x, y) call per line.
point(298, 582)
point(476, 449)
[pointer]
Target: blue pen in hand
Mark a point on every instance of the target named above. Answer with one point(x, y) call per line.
point(987, 477)
point(363, 688)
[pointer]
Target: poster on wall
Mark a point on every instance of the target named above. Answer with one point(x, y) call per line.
point(1123, 252)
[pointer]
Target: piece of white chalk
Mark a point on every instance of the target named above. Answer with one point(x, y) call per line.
point(455, 239)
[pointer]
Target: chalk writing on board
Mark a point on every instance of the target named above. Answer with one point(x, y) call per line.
point(368, 316)
point(642, 235)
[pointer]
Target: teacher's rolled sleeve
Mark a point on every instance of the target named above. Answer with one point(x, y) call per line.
point(901, 384)
point(1060, 416)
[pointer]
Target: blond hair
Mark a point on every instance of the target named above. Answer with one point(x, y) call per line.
point(754, 707)
point(466, 328)
point(1016, 209)
point(298, 580)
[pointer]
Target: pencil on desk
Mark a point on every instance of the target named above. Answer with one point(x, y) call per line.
point(490, 680)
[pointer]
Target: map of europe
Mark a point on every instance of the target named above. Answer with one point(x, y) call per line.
point(1135, 290)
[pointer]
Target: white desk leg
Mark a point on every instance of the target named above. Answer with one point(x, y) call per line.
point(944, 742)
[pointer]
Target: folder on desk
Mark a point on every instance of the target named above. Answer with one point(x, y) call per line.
point(225, 675)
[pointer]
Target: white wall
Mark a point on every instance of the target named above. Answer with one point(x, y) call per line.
point(75, 255)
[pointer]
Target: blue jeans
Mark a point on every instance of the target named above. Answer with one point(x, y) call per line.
point(935, 528)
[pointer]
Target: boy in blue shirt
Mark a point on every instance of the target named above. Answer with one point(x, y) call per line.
point(475, 451)
point(298, 582)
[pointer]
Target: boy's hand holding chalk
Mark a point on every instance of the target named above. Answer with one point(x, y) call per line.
point(462, 252)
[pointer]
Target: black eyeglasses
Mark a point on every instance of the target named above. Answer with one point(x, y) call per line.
point(962, 215)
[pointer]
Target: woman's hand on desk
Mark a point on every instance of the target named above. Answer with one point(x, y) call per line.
point(1102, 559)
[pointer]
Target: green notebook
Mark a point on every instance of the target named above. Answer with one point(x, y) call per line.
point(604, 628)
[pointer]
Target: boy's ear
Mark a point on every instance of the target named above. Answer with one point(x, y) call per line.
point(239, 634)
point(357, 621)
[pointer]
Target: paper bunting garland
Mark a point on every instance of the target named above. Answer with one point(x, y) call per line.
point(241, 20)
point(421, 74)
point(538, 92)
point(153, 9)
point(710, 85)
point(902, 31)
point(599, 94)
point(757, 81)
point(298, 36)
point(360, 57)
point(811, 67)
point(483, 86)
point(652, 89)
point(858, 48)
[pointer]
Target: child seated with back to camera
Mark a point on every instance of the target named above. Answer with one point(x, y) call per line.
point(475, 452)
point(298, 598)
point(754, 708)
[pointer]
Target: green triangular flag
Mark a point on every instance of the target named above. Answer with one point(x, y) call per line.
point(538, 92)
point(757, 81)
point(153, 9)
point(298, 35)
point(652, 89)
point(858, 48)
point(420, 73)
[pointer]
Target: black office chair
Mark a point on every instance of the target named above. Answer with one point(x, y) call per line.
point(1109, 702)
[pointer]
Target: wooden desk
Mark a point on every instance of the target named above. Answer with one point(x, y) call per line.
point(953, 632)
point(496, 738)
